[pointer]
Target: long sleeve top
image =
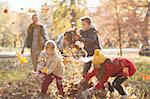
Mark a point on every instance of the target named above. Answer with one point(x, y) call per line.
point(114, 68)
point(53, 63)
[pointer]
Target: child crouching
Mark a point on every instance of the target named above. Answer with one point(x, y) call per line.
point(120, 68)
point(51, 59)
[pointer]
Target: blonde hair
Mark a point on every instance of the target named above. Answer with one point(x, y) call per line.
point(52, 44)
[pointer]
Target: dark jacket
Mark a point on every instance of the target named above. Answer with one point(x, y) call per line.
point(114, 68)
point(90, 39)
point(29, 37)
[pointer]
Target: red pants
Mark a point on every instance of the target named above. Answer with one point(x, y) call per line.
point(48, 80)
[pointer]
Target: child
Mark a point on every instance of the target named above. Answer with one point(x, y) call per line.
point(51, 59)
point(120, 68)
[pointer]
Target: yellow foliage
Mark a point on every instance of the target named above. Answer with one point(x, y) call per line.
point(65, 61)
point(45, 70)
point(65, 51)
point(21, 58)
point(74, 50)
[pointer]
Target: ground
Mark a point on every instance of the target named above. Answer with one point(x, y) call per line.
point(17, 81)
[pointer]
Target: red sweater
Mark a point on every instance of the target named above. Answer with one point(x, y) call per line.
point(114, 68)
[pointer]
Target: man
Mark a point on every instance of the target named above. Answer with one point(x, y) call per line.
point(35, 39)
point(88, 35)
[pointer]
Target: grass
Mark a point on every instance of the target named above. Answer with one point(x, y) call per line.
point(12, 72)
point(143, 66)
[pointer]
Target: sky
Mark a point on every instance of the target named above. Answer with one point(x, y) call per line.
point(16, 5)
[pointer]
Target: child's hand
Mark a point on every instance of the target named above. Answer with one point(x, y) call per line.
point(40, 74)
point(37, 74)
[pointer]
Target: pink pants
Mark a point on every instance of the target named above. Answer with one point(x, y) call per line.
point(48, 80)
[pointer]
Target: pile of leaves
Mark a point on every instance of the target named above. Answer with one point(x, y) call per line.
point(18, 82)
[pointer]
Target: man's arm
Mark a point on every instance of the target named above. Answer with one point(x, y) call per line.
point(25, 44)
point(44, 34)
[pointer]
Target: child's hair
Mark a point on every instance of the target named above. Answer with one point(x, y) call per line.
point(87, 19)
point(50, 43)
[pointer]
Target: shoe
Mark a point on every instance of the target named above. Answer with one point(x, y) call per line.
point(110, 87)
point(124, 97)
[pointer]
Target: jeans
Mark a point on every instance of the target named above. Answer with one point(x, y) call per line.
point(117, 85)
point(48, 80)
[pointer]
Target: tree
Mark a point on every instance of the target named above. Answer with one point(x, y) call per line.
point(4, 26)
point(22, 24)
point(66, 15)
point(119, 29)
point(131, 15)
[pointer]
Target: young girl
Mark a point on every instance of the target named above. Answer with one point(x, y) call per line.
point(51, 59)
point(120, 68)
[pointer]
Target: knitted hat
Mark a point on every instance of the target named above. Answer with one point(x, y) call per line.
point(98, 57)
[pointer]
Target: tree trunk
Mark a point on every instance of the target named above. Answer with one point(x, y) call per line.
point(73, 14)
point(145, 49)
point(119, 28)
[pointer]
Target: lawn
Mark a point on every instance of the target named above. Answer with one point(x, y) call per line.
point(18, 81)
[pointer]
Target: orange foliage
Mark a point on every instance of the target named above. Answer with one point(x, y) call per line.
point(145, 76)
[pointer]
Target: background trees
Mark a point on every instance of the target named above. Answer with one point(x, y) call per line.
point(59, 16)
point(131, 16)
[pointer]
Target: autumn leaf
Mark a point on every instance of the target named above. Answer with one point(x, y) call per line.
point(45, 8)
point(21, 58)
point(45, 70)
point(13, 22)
point(6, 11)
point(145, 76)
point(74, 50)
point(22, 9)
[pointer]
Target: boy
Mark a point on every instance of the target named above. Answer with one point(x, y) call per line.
point(88, 35)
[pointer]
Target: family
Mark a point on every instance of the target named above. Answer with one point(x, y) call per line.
point(44, 53)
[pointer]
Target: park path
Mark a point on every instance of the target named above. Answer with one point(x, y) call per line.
point(113, 51)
